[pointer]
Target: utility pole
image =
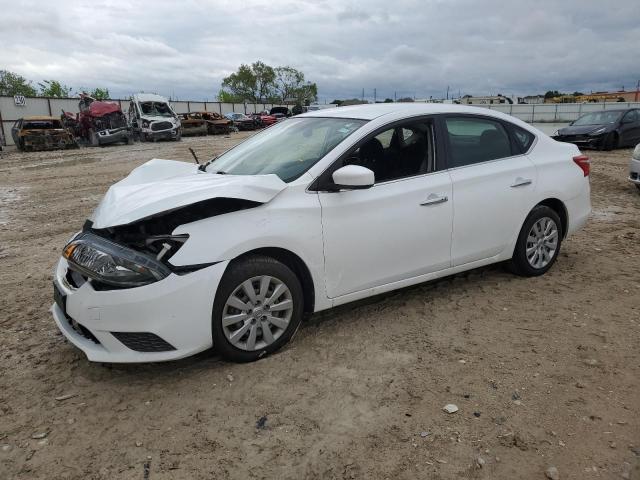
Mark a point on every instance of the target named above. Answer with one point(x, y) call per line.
point(395, 96)
point(375, 95)
point(447, 92)
point(363, 94)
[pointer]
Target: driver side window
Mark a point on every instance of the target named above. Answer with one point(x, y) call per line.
point(631, 116)
point(399, 152)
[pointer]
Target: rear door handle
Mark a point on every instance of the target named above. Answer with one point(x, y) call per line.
point(434, 199)
point(521, 182)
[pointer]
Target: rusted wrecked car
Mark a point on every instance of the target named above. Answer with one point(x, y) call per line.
point(98, 123)
point(216, 123)
point(41, 133)
point(193, 124)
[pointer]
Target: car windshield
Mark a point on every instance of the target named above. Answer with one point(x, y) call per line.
point(287, 149)
point(156, 109)
point(597, 118)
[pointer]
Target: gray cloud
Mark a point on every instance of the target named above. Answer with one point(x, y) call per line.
point(409, 47)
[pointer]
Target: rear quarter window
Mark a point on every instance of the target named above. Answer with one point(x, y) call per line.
point(523, 139)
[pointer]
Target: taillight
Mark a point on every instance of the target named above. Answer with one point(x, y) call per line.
point(584, 163)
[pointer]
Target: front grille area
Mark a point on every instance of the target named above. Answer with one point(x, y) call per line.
point(155, 126)
point(82, 330)
point(143, 341)
point(575, 138)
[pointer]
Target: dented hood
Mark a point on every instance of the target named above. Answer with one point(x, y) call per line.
point(163, 185)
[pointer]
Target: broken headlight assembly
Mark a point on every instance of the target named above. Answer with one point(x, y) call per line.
point(113, 264)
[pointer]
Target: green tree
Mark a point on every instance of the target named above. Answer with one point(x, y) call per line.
point(227, 97)
point(97, 93)
point(13, 84)
point(307, 93)
point(253, 82)
point(53, 88)
point(265, 80)
point(552, 94)
point(290, 85)
point(405, 100)
point(337, 102)
point(287, 81)
point(100, 93)
point(388, 100)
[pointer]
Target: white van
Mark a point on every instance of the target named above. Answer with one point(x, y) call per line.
point(152, 118)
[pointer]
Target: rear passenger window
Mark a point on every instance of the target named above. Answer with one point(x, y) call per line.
point(476, 140)
point(523, 138)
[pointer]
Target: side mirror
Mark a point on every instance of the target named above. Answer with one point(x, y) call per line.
point(353, 177)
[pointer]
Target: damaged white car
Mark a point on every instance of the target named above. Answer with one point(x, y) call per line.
point(323, 209)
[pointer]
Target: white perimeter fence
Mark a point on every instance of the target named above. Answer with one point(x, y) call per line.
point(555, 112)
point(10, 112)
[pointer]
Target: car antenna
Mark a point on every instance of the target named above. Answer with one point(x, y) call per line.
point(195, 157)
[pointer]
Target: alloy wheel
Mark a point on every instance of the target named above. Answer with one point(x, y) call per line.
point(257, 313)
point(542, 242)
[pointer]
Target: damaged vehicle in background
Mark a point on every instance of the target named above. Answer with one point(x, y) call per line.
point(241, 121)
point(41, 133)
point(280, 113)
point(99, 122)
point(192, 124)
point(216, 123)
point(152, 118)
point(324, 209)
point(605, 130)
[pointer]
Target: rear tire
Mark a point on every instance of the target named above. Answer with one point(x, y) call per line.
point(259, 329)
point(538, 243)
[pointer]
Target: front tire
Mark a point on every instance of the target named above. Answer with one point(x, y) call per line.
point(538, 243)
point(610, 142)
point(257, 309)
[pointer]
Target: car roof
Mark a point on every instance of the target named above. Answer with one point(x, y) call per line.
point(372, 111)
point(149, 97)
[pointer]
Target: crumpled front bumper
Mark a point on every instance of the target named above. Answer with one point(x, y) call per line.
point(588, 141)
point(114, 135)
point(176, 309)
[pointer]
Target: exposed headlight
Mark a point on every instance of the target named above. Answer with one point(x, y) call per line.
point(598, 131)
point(111, 263)
point(145, 124)
point(636, 152)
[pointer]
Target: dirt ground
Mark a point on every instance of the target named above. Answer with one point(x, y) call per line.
point(545, 371)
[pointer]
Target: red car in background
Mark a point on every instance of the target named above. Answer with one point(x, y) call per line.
point(267, 119)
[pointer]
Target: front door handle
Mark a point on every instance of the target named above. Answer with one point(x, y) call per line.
point(521, 182)
point(434, 199)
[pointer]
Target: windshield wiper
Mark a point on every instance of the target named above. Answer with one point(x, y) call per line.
point(203, 167)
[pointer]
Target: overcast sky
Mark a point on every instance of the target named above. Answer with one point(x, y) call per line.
point(184, 48)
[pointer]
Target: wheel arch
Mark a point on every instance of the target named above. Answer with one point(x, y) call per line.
point(559, 207)
point(296, 264)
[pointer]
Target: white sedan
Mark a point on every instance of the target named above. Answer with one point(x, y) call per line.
point(326, 208)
